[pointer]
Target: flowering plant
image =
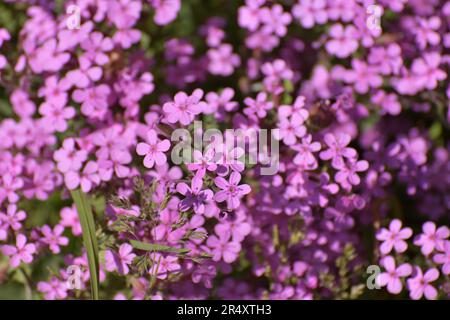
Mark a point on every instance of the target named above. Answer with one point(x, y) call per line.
point(169, 149)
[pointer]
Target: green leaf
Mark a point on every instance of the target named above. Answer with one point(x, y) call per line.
point(156, 247)
point(86, 217)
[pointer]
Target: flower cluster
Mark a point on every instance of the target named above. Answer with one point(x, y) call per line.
point(434, 246)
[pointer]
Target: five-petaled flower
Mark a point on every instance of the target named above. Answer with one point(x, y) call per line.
point(153, 150)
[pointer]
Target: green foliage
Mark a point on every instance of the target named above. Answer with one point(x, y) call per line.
point(157, 247)
point(86, 217)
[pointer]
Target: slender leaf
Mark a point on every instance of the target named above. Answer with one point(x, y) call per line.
point(89, 237)
point(156, 247)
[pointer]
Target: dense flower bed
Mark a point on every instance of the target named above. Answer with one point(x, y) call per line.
point(354, 96)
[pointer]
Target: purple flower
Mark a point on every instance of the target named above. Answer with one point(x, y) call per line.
point(222, 61)
point(310, 12)
point(297, 109)
point(343, 42)
point(431, 238)
point(166, 10)
point(85, 76)
point(337, 149)
point(55, 116)
point(53, 238)
point(89, 177)
point(427, 32)
point(363, 76)
point(231, 191)
point(195, 197)
point(444, 258)
point(55, 92)
point(238, 226)
point(218, 103)
point(392, 276)
point(348, 173)
point(119, 261)
point(163, 266)
point(69, 219)
point(153, 150)
point(222, 248)
point(420, 285)
point(95, 48)
point(259, 106)
point(249, 15)
point(68, 158)
point(22, 105)
point(306, 148)
point(8, 186)
point(275, 20)
point(427, 70)
point(12, 217)
point(394, 237)
point(21, 252)
point(94, 101)
point(203, 162)
point(205, 273)
point(184, 108)
point(55, 289)
point(4, 36)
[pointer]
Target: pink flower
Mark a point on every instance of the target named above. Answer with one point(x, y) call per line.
point(22, 252)
point(4, 36)
point(222, 60)
point(297, 109)
point(195, 197)
point(166, 10)
point(218, 103)
point(163, 266)
point(203, 162)
point(22, 105)
point(305, 149)
point(12, 217)
point(53, 238)
point(86, 75)
point(275, 20)
point(153, 150)
point(184, 108)
point(249, 15)
point(291, 129)
point(56, 116)
point(431, 238)
point(348, 173)
point(420, 284)
point(205, 273)
point(8, 186)
point(68, 158)
point(3, 232)
point(343, 42)
point(231, 191)
point(337, 149)
point(94, 101)
point(391, 278)
point(120, 261)
point(55, 92)
point(55, 289)
point(394, 237)
point(69, 219)
point(95, 48)
point(87, 179)
point(444, 258)
point(310, 12)
point(259, 106)
point(222, 248)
